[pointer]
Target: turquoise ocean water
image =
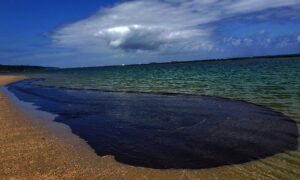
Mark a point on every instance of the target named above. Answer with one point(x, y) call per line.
point(273, 83)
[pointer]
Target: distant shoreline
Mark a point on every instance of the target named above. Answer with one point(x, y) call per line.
point(24, 68)
point(200, 61)
point(236, 58)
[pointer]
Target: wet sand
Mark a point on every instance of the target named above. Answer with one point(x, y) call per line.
point(31, 148)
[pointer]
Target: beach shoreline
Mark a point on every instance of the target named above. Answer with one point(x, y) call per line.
point(28, 150)
point(33, 146)
point(31, 149)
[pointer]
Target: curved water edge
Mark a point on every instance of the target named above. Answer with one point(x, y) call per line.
point(166, 131)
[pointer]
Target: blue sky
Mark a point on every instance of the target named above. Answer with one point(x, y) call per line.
point(73, 33)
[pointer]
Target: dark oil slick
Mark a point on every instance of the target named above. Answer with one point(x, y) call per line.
point(166, 131)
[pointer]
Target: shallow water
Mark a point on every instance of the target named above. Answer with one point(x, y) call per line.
point(272, 83)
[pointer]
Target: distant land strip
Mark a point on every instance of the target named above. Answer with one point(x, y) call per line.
point(205, 60)
point(8, 68)
point(240, 58)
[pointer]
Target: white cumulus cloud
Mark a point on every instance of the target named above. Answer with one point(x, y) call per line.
point(158, 26)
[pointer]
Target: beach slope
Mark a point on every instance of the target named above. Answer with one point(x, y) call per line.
point(29, 151)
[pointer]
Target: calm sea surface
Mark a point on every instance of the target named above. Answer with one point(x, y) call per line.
point(273, 83)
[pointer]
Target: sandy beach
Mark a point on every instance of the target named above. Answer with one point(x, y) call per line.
point(30, 151)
